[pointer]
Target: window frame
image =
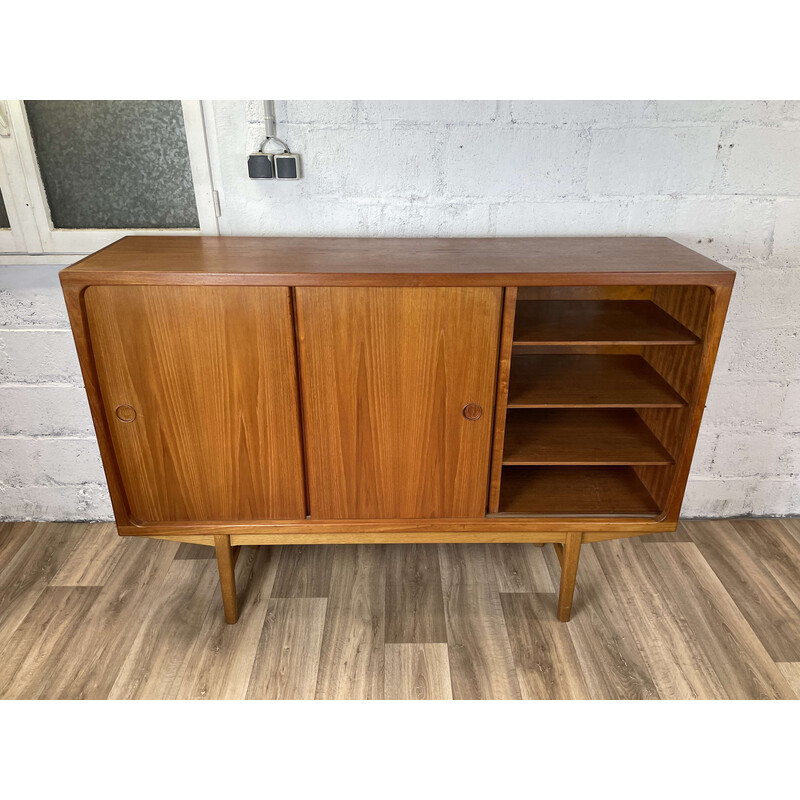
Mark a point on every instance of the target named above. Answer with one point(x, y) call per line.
point(32, 230)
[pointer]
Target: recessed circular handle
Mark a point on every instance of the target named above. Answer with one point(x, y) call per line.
point(472, 411)
point(125, 413)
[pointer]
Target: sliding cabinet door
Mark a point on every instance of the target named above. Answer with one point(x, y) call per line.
point(200, 392)
point(398, 392)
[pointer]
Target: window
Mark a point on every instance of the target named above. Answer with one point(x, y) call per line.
point(76, 175)
point(7, 240)
point(4, 223)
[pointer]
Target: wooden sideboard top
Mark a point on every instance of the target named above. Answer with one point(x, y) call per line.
point(384, 261)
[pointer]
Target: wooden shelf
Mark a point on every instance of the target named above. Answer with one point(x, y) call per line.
point(588, 381)
point(573, 491)
point(580, 436)
point(553, 322)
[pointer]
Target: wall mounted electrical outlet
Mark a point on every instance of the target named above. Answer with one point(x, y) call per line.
point(287, 166)
point(260, 165)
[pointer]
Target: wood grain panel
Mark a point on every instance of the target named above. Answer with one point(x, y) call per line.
point(574, 322)
point(580, 436)
point(501, 396)
point(493, 528)
point(640, 292)
point(210, 375)
point(688, 371)
point(588, 381)
point(511, 261)
point(386, 373)
point(574, 491)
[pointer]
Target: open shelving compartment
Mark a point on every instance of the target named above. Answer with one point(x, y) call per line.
point(595, 412)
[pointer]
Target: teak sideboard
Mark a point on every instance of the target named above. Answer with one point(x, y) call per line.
point(308, 391)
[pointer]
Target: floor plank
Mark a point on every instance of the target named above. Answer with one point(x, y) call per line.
point(287, 660)
point(85, 614)
point(736, 654)
point(187, 550)
point(791, 671)
point(481, 664)
point(468, 564)
point(612, 665)
point(155, 666)
point(414, 604)
point(304, 571)
point(521, 568)
point(33, 565)
point(43, 641)
point(792, 524)
point(94, 557)
point(13, 536)
point(222, 659)
point(544, 655)
point(672, 652)
point(772, 543)
point(754, 589)
point(112, 624)
point(418, 672)
point(351, 664)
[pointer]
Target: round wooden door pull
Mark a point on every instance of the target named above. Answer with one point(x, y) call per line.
point(125, 413)
point(472, 411)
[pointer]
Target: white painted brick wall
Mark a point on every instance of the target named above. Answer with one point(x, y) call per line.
point(764, 161)
point(721, 177)
point(50, 467)
point(648, 161)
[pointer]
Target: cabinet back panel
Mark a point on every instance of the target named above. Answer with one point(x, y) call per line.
point(210, 373)
point(385, 375)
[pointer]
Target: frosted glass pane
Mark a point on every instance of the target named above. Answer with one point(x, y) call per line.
point(4, 223)
point(114, 163)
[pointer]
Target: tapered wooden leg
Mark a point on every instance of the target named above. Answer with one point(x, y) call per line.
point(226, 561)
point(568, 555)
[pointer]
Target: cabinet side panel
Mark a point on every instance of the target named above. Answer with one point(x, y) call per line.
point(386, 374)
point(687, 369)
point(209, 375)
point(73, 296)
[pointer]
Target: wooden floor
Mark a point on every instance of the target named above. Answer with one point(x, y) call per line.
point(712, 611)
